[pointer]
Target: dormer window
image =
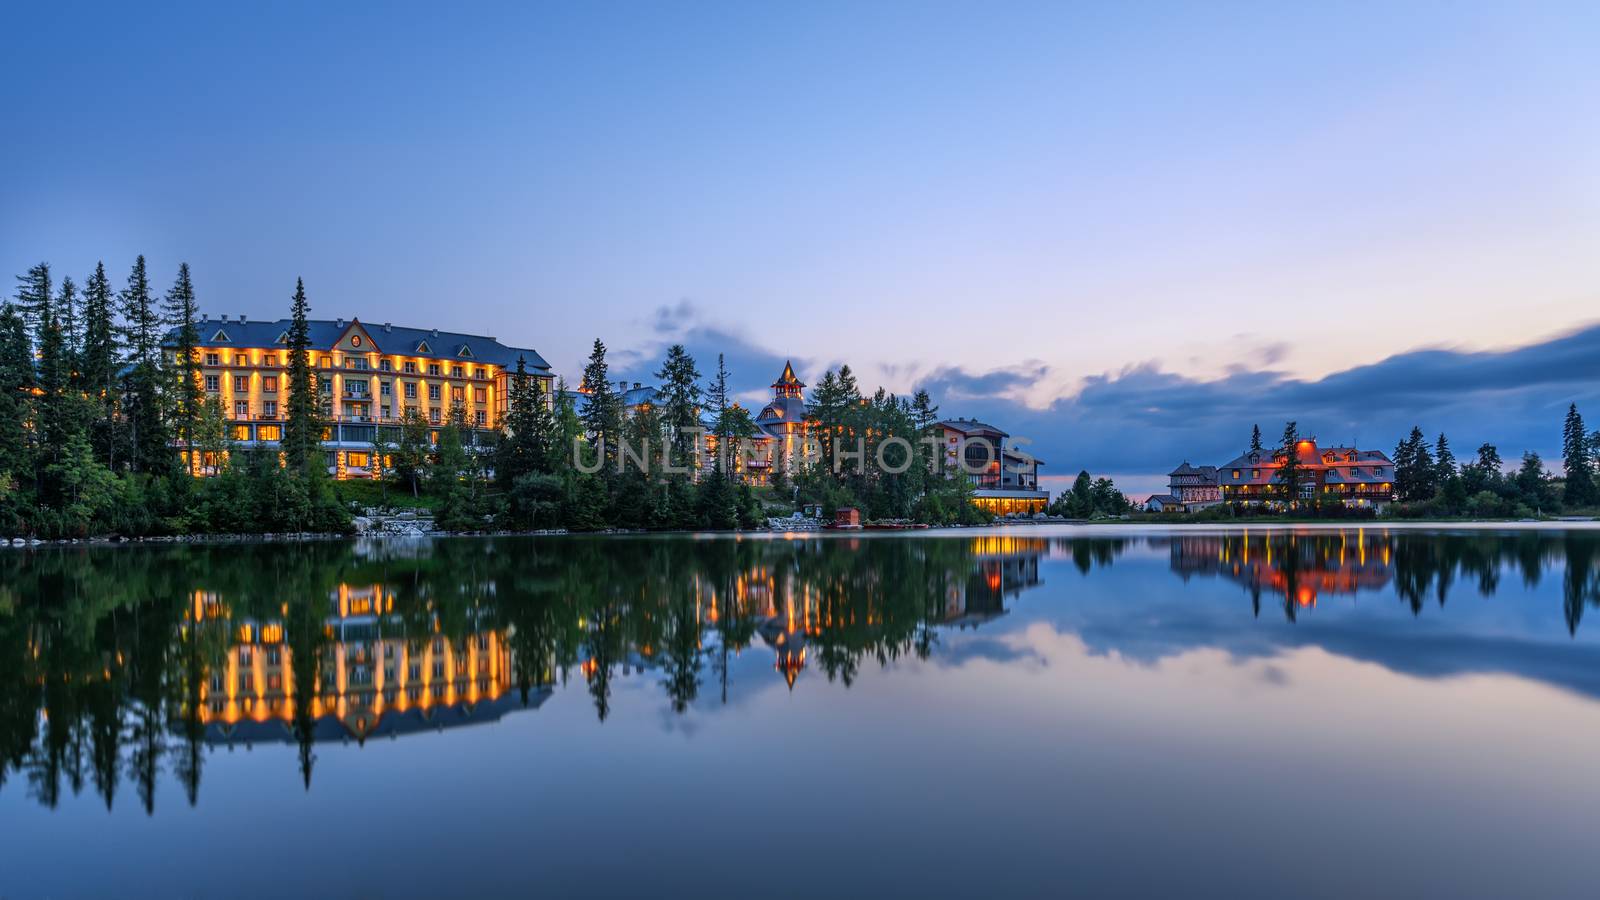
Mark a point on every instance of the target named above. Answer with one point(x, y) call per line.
point(465, 352)
point(221, 337)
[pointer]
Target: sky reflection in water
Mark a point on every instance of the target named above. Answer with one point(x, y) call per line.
point(1030, 710)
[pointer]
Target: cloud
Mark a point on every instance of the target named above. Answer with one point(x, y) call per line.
point(1143, 419)
point(752, 366)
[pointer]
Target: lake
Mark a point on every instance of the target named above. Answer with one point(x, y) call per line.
point(1033, 710)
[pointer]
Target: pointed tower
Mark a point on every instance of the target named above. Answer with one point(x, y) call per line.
point(787, 385)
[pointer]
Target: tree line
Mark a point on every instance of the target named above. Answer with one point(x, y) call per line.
point(1430, 481)
point(102, 427)
point(104, 422)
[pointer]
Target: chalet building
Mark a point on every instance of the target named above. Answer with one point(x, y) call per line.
point(1009, 478)
point(1189, 488)
point(369, 378)
point(1358, 478)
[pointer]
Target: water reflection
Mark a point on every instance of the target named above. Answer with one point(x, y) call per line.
point(122, 665)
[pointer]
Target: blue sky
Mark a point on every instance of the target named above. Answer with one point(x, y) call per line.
point(1045, 208)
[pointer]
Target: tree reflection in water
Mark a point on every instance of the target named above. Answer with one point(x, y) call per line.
point(125, 663)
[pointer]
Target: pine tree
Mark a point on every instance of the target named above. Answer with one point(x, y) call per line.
point(182, 313)
point(521, 448)
point(302, 425)
point(602, 417)
point(54, 416)
point(1444, 462)
point(924, 412)
point(68, 317)
point(412, 452)
point(16, 383)
point(98, 363)
point(718, 404)
point(679, 396)
point(1291, 472)
point(456, 511)
point(1532, 481)
point(1580, 488)
point(33, 297)
point(143, 400)
point(1255, 443)
point(1414, 473)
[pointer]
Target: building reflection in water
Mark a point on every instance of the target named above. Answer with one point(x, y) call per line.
point(122, 665)
point(1296, 568)
point(375, 679)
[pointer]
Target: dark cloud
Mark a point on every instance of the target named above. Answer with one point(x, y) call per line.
point(1143, 419)
point(752, 367)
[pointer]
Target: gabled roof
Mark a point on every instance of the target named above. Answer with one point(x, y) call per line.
point(389, 339)
point(970, 426)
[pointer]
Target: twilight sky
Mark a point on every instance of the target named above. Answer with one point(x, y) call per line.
point(1127, 231)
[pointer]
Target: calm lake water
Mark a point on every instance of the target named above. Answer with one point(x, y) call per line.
point(1019, 711)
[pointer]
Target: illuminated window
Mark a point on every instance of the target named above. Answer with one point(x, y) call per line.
point(458, 394)
point(241, 432)
point(1235, 474)
point(481, 395)
point(1255, 473)
point(269, 384)
point(327, 362)
point(241, 383)
point(271, 359)
point(241, 409)
point(357, 460)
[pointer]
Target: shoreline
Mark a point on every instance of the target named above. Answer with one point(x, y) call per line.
point(1101, 527)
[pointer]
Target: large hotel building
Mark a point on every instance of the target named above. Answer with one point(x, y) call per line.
point(369, 378)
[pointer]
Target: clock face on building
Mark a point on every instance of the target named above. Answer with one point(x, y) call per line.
point(355, 340)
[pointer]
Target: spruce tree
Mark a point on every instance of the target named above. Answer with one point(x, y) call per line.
point(1444, 461)
point(98, 363)
point(527, 440)
point(679, 397)
point(143, 400)
point(924, 412)
point(1291, 472)
point(1255, 443)
point(602, 417)
point(34, 297)
point(182, 314)
point(16, 384)
point(718, 404)
point(1580, 487)
point(302, 425)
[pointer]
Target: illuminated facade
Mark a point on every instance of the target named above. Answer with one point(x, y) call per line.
point(1005, 480)
point(1357, 478)
point(369, 378)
